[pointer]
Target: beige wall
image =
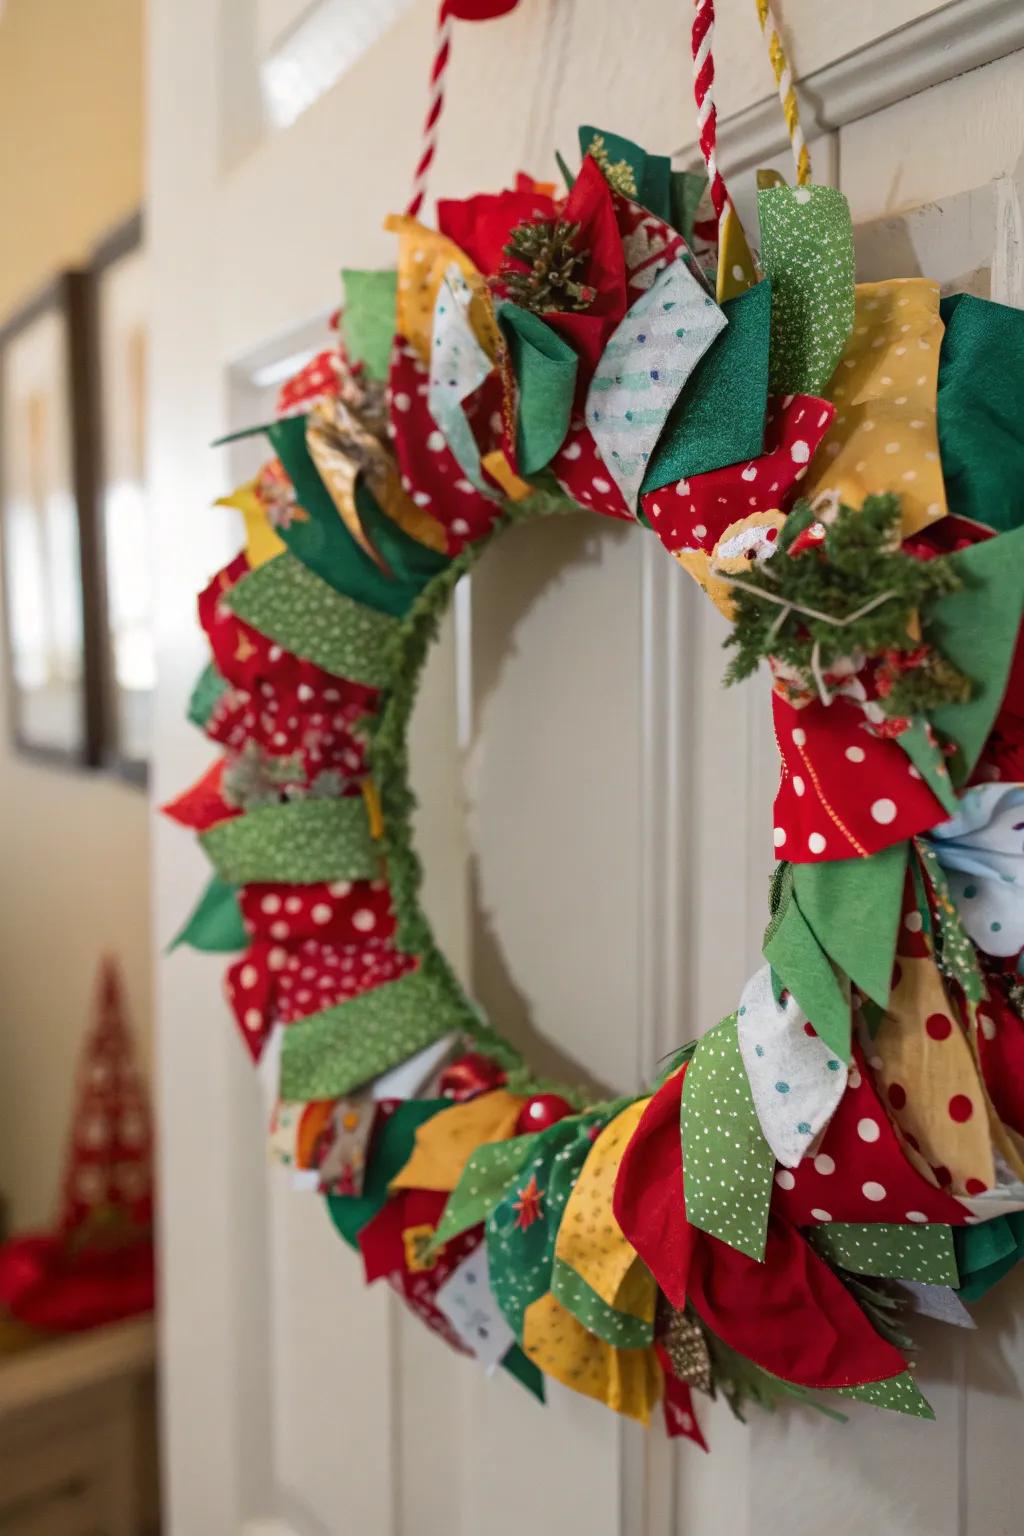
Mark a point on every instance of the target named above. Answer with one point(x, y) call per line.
point(74, 849)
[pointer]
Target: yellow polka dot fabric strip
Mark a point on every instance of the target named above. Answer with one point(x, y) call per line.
point(885, 434)
point(590, 1240)
point(925, 1066)
point(424, 257)
point(629, 1381)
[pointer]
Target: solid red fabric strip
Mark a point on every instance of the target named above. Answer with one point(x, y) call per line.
point(790, 1314)
point(648, 1202)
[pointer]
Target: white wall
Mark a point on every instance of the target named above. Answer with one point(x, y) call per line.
point(74, 865)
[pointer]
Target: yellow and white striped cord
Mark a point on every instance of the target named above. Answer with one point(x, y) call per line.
point(787, 90)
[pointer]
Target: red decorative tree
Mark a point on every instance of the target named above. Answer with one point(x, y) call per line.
point(96, 1266)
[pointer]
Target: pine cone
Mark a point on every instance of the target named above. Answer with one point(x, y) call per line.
point(554, 264)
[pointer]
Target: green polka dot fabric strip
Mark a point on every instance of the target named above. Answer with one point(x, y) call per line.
point(920, 744)
point(728, 1163)
point(298, 843)
point(619, 1329)
point(333, 1052)
point(955, 954)
point(294, 607)
point(852, 907)
point(922, 1253)
point(799, 963)
point(900, 1394)
point(807, 251)
point(523, 1228)
point(485, 1178)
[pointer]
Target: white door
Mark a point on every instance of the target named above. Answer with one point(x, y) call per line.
point(595, 809)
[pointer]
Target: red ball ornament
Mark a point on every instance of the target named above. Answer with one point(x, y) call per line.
point(541, 1111)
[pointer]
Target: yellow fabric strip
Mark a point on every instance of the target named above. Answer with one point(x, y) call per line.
point(736, 267)
point(923, 1053)
point(627, 1380)
point(262, 541)
point(885, 434)
point(446, 1141)
point(424, 257)
point(499, 469)
point(590, 1240)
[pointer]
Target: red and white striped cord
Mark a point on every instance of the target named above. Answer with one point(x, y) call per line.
point(704, 94)
point(442, 53)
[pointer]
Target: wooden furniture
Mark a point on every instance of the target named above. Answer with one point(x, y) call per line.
point(77, 1434)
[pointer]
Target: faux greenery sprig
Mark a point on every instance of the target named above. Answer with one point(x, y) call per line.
point(841, 588)
point(619, 174)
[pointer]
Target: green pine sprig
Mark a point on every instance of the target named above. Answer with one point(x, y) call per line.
point(790, 606)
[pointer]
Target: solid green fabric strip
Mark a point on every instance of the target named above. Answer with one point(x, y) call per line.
point(976, 629)
point(981, 410)
point(728, 1164)
point(802, 966)
point(900, 1394)
point(525, 1372)
point(545, 368)
point(891, 1250)
point(216, 925)
point(485, 1178)
point(321, 540)
point(391, 1148)
point(620, 1329)
point(807, 251)
point(685, 188)
point(339, 1049)
point(853, 909)
point(208, 689)
point(291, 605)
point(651, 173)
point(987, 1252)
point(298, 843)
point(719, 417)
point(413, 563)
point(368, 318)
